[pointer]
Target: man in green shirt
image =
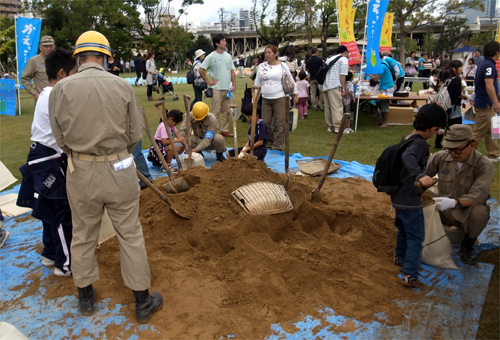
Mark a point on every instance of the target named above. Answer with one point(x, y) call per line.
point(221, 68)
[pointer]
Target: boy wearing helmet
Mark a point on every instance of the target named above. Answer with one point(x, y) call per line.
point(204, 125)
point(96, 120)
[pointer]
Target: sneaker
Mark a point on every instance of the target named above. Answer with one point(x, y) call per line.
point(4, 235)
point(330, 129)
point(411, 281)
point(348, 129)
point(494, 160)
point(336, 130)
point(47, 262)
point(60, 272)
point(398, 262)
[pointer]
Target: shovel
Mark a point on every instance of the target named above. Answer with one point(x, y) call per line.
point(235, 118)
point(174, 186)
point(187, 104)
point(163, 116)
point(287, 140)
point(255, 100)
point(160, 194)
point(315, 194)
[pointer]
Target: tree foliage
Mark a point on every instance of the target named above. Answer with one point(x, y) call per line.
point(410, 14)
point(282, 19)
point(170, 43)
point(7, 43)
point(478, 40)
point(328, 16)
point(454, 32)
point(429, 43)
point(200, 42)
point(66, 20)
point(159, 13)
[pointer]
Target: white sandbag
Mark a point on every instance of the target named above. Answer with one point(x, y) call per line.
point(196, 160)
point(436, 246)
point(10, 332)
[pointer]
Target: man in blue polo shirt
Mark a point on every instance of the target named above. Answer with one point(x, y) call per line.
point(386, 86)
point(396, 68)
point(486, 99)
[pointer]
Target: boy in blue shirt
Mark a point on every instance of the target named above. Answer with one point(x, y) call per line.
point(260, 141)
point(407, 203)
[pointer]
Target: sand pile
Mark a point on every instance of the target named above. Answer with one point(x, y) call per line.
point(225, 271)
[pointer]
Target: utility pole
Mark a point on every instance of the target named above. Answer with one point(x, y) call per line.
point(221, 16)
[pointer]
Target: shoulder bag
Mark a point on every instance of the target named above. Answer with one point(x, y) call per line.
point(287, 81)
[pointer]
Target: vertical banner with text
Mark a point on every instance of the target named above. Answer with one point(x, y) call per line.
point(27, 38)
point(346, 30)
point(376, 15)
point(386, 36)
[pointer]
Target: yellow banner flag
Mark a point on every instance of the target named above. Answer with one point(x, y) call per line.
point(498, 35)
point(386, 34)
point(346, 30)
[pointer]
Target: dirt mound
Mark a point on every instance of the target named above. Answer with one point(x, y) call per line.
point(225, 271)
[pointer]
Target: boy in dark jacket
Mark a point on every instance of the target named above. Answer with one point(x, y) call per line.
point(407, 203)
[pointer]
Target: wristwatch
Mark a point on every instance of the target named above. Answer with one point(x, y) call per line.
point(459, 204)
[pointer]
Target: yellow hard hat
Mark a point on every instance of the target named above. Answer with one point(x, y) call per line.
point(200, 110)
point(92, 41)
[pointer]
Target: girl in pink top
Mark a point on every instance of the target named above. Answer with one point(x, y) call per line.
point(303, 93)
point(174, 117)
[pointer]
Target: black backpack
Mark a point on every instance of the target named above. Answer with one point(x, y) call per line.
point(394, 77)
point(323, 70)
point(390, 173)
point(190, 75)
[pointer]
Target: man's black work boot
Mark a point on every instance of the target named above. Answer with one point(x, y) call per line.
point(146, 304)
point(468, 256)
point(220, 157)
point(86, 298)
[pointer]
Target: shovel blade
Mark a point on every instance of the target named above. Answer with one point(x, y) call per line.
point(176, 186)
point(315, 195)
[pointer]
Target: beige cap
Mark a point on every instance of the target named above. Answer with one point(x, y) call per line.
point(457, 135)
point(47, 40)
point(199, 53)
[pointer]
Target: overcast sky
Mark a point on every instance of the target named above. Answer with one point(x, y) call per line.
point(208, 11)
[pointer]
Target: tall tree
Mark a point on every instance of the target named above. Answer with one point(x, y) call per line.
point(66, 20)
point(429, 43)
point(410, 14)
point(479, 39)
point(454, 32)
point(308, 10)
point(282, 19)
point(160, 13)
point(7, 43)
point(170, 43)
point(328, 16)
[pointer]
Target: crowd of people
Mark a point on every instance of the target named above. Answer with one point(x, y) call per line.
point(88, 152)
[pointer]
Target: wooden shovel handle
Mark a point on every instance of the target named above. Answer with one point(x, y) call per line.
point(255, 98)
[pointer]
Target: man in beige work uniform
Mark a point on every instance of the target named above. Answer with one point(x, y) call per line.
point(465, 177)
point(205, 131)
point(96, 120)
point(35, 68)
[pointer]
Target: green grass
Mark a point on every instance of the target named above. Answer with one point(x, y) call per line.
point(310, 139)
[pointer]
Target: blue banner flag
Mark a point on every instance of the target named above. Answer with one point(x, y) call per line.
point(376, 15)
point(8, 97)
point(27, 38)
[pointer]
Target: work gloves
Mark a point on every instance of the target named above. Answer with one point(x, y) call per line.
point(444, 203)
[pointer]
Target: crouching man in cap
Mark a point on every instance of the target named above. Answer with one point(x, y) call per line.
point(204, 125)
point(465, 177)
point(96, 121)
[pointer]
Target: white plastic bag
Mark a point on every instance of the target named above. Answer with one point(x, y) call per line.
point(495, 127)
point(436, 246)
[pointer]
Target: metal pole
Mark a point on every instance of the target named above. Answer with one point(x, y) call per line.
point(358, 93)
point(17, 69)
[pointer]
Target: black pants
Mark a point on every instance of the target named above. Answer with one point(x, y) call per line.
point(149, 91)
point(451, 121)
point(138, 73)
point(57, 242)
point(399, 82)
point(198, 96)
point(425, 74)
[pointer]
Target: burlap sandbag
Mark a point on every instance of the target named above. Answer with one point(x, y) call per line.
point(436, 246)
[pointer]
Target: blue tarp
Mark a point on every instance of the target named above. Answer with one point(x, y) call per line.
point(451, 308)
point(464, 49)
